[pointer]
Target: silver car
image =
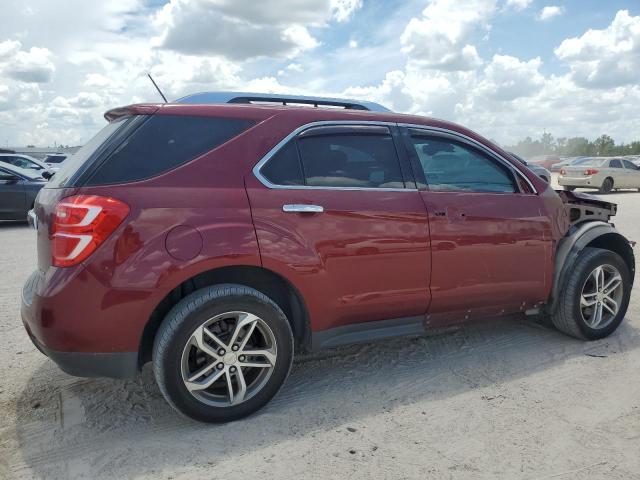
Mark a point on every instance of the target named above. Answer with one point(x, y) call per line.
point(604, 174)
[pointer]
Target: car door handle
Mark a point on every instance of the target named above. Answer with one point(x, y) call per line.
point(302, 208)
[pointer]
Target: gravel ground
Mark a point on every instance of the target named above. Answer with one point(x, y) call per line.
point(507, 398)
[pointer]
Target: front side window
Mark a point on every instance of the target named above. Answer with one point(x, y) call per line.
point(449, 165)
point(629, 165)
point(350, 160)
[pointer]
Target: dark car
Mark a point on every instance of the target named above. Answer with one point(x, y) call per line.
point(54, 160)
point(18, 190)
point(215, 240)
point(539, 170)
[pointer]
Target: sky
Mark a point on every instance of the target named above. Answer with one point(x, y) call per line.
point(505, 68)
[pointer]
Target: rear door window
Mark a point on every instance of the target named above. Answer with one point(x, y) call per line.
point(164, 142)
point(283, 168)
point(350, 160)
point(615, 163)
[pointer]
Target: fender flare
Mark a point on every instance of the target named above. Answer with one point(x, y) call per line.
point(576, 240)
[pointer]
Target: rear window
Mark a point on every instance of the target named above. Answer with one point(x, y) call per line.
point(162, 143)
point(592, 162)
point(78, 160)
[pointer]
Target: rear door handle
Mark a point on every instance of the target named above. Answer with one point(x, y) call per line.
point(302, 208)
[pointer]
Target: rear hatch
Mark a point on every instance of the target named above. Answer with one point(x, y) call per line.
point(64, 182)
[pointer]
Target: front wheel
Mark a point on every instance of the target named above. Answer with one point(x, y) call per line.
point(595, 298)
point(222, 353)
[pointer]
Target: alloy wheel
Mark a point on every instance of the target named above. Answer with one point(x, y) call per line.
point(228, 359)
point(601, 296)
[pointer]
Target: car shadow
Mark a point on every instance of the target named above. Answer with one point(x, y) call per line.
point(76, 428)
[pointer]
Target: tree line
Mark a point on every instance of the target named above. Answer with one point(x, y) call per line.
point(603, 146)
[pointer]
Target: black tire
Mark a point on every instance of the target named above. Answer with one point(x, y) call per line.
point(568, 317)
point(569, 189)
point(190, 313)
point(607, 185)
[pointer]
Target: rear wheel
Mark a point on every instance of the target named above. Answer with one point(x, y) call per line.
point(222, 353)
point(607, 185)
point(595, 298)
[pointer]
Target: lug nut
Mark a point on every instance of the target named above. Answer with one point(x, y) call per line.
point(241, 358)
point(220, 366)
point(235, 348)
point(232, 369)
point(221, 351)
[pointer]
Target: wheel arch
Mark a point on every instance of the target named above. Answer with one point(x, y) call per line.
point(589, 234)
point(273, 285)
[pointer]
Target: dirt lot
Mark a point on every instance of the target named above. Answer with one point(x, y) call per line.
point(503, 399)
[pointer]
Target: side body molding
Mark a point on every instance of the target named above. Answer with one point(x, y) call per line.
point(575, 241)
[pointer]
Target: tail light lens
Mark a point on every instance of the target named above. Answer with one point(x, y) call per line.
point(563, 171)
point(80, 224)
point(590, 171)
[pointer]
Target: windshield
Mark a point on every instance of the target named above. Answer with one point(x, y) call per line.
point(75, 161)
point(592, 162)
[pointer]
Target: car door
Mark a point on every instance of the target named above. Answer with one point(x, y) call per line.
point(617, 172)
point(632, 173)
point(335, 214)
point(12, 196)
point(491, 246)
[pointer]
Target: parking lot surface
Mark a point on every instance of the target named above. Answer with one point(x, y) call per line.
point(506, 398)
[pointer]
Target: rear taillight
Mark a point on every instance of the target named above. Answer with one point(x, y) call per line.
point(563, 171)
point(590, 171)
point(80, 224)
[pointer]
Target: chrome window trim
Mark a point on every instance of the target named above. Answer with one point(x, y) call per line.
point(428, 129)
point(470, 141)
point(285, 140)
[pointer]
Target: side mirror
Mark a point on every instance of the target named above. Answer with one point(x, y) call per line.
point(47, 174)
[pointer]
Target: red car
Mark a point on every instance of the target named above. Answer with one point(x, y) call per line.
point(214, 240)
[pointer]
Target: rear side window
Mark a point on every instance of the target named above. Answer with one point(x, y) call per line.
point(350, 160)
point(284, 167)
point(615, 164)
point(164, 142)
point(451, 166)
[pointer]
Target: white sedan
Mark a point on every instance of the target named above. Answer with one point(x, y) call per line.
point(604, 174)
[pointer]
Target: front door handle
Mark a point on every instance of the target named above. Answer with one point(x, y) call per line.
point(302, 208)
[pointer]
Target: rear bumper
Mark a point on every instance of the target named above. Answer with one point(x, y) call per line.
point(82, 364)
point(61, 327)
point(586, 182)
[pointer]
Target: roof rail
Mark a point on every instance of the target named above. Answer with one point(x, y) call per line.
point(247, 97)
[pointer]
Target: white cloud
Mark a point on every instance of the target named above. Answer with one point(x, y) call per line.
point(344, 9)
point(518, 4)
point(440, 38)
point(33, 66)
point(549, 12)
point(605, 58)
point(508, 78)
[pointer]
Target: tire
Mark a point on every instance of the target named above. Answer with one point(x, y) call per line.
point(569, 316)
point(176, 353)
point(607, 185)
point(569, 189)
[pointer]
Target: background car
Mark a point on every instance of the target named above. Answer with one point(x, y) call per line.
point(546, 161)
point(539, 170)
point(18, 190)
point(55, 159)
point(565, 163)
point(604, 174)
point(25, 161)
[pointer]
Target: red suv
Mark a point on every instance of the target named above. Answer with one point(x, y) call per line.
point(215, 239)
